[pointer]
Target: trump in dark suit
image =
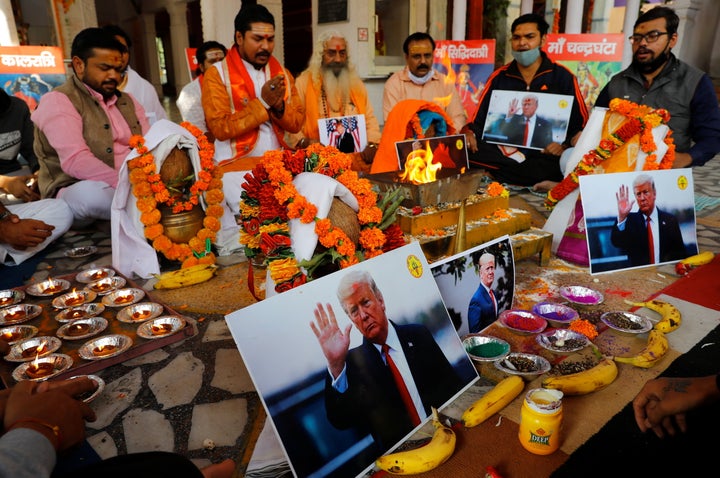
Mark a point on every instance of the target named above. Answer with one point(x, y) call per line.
point(539, 133)
point(482, 310)
point(630, 233)
point(360, 390)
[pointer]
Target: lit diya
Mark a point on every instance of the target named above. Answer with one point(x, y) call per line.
point(106, 285)
point(74, 298)
point(42, 368)
point(92, 275)
point(19, 313)
point(123, 297)
point(80, 312)
point(139, 312)
point(105, 346)
point(48, 287)
point(160, 327)
point(82, 328)
point(26, 350)
point(11, 297)
point(17, 332)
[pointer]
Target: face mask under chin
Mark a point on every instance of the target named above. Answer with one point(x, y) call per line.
point(527, 57)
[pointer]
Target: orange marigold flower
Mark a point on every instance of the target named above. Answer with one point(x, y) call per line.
point(215, 210)
point(151, 217)
point(211, 223)
point(153, 231)
point(146, 204)
point(189, 262)
point(214, 196)
point(162, 243)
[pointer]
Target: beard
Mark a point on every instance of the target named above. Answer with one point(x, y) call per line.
point(653, 64)
point(337, 88)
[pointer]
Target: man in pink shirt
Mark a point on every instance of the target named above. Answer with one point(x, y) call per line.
point(83, 128)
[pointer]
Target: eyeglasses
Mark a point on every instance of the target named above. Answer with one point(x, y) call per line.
point(650, 37)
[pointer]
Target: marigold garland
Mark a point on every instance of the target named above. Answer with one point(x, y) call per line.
point(269, 200)
point(640, 119)
point(150, 191)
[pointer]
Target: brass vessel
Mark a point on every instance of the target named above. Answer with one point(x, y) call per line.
point(182, 226)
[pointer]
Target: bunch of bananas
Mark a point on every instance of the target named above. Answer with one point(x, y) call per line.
point(493, 401)
point(670, 315)
point(687, 264)
point(600, 376)
point(424, 458)
point(185, 277)
point(656, 347)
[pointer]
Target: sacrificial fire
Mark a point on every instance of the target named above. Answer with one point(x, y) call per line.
point(419, 166)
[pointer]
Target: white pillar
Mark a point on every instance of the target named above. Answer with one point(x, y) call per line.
point(601, 16)
point(573, 21)
point(152, 63)
point(459, 18)
point(179, 40)
point(631, 14)
point(8, 31)
point(526, 6)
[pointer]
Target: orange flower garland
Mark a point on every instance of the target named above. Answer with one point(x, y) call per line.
point(640, 119)
point(270, 199)
point(150, 191)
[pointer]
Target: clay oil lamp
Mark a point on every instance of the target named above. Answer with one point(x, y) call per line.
point(36, 350)
point(104, 350)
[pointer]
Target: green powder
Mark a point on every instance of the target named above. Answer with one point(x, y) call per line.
point(490, 349)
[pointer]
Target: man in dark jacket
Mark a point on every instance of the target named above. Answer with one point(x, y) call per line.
point(531, 70)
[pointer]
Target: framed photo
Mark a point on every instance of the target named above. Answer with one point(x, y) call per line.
point(616, 207)
point(526, 119)
point(465, 281)
point(339, 426)
point(346, 133)
point(450, 151)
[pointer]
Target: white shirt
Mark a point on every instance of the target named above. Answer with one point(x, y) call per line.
point(266, 136)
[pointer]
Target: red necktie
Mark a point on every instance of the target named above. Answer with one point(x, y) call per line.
point(651, 243)
point(492, 296)
point(402, 388)
point(525, 134)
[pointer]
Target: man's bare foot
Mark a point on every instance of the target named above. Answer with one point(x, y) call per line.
point(544, 186)
point(224, 469)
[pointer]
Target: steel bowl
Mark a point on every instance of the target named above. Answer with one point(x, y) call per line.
point(74, 299)
point(562, 341)
point(483, 348)
point(58, 362)
point(580, 295)
point(48, 287)
point(19, 313)
point(16, 333)
point(140, 312)
point(528, 366)
point(106, 285)
point(82, 328)
point(557, 315)
point(123, 297)
point(11, 297)
point(105, 347)
point(92, 275)
point(626, 322)
point(522, 322)
point(26, 350)
point(160, 327)
point(80, 312)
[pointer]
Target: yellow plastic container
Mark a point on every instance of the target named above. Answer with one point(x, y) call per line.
point(541, 420)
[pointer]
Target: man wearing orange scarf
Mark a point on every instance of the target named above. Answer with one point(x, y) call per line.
point(329, 88)
point(249, 100)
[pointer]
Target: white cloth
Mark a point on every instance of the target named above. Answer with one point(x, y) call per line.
point(50, 211)
point(145, 93)
point(320, 190)
point(130, 249)
point(89, 200)
point(189, 102)
point(563, 212)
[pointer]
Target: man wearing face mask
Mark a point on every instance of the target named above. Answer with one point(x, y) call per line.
point(530, 71)
point(658, 79)
point(419, 81)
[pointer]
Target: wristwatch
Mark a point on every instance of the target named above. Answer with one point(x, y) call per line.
point(5, 214)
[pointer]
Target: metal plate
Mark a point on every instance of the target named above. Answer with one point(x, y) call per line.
point(11, 297)
point(522, 322)
point(105, 347)
point(90, 396)
point(26, 350)
point(536, 365)
point(92, 275)
point(580, 295)
point(80, 312)
point(82, 328)
point(562, 341)
point(16, 333)
point(106, 285)
point(161, 327)
point(19, 313)
point(626, 322)
point(60, 363)
point(48, 287)
point(82, 251)
point(74, 299)
point(140, 312)
point(123, 297)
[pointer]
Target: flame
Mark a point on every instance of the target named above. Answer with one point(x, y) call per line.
point(419, 166)
point(41, 348)
point(443, 101)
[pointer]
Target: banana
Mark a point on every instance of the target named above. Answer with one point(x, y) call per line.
point(493, 401)
point(671, 317)
point(424, 458)
point(685, 265)
point(185, 277)
point(590, 380)
point(656, 347)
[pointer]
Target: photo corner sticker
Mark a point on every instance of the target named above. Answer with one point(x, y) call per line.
point(682, 182)
point(563, 104)
point(459, 144)
point(414, 266)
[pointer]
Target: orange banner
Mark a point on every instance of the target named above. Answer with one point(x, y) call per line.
point(31, 59)
point(585, 46)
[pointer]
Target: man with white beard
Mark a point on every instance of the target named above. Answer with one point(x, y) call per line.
point(330, 87)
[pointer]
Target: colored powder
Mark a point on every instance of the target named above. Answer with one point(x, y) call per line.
point(522, 322)
point(583, 299)
point(490, 349)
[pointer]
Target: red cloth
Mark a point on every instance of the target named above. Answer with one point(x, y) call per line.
point(402, 388)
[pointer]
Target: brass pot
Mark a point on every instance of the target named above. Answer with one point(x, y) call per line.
point(182, 226)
